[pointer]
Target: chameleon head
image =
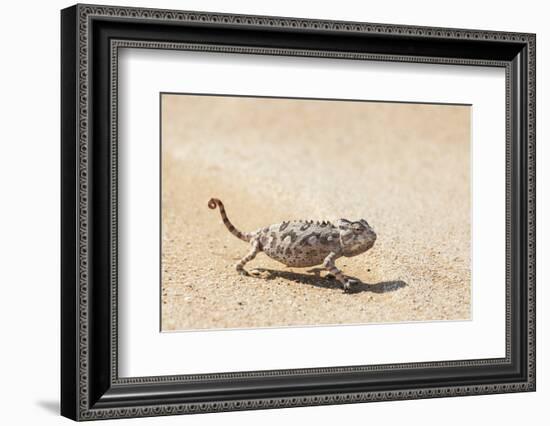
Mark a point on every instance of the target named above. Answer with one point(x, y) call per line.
point(355, 237)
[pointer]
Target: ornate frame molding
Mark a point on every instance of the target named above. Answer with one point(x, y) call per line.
point(80, 19)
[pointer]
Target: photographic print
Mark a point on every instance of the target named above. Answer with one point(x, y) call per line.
point(279, 212)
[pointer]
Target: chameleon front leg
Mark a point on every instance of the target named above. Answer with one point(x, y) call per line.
point(329, 265)
point(254, 250)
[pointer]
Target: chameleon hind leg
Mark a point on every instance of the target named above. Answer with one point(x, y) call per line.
point(329, 265)
point(254, 250)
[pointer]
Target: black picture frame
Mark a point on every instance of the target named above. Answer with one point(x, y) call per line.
point(90, 386)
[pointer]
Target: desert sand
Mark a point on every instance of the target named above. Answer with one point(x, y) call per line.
point(405, 168)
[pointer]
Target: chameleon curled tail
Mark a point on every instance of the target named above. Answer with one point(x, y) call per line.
point(213, 203)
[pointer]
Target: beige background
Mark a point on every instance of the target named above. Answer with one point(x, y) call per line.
point(403, 167)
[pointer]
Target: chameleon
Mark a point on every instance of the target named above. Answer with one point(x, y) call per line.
point(305, 243)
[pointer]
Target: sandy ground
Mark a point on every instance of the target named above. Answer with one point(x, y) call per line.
point(404, 168)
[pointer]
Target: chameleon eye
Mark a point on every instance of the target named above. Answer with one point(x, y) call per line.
point(357, 227)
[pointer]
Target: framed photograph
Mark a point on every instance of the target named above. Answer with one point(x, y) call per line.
point(263, 212)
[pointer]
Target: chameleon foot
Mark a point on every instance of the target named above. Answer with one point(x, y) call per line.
point(242, 271)
point(348, 285)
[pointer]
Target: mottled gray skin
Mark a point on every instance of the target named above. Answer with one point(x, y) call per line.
point(305, 243)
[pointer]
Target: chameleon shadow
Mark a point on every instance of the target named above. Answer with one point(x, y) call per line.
point(317, 280)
